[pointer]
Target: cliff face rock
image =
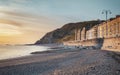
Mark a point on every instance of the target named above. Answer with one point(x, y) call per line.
point(66, 33)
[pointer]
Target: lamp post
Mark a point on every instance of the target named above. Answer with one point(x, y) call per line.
point(106, 12)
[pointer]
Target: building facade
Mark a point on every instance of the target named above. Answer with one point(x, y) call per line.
point(108, 29)
point(106, 35)
point(91, 33)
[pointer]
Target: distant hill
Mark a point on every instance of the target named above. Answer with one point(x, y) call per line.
point(66, 33)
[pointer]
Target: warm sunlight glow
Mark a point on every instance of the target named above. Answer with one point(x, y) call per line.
point(2, 15)
point(8, 30)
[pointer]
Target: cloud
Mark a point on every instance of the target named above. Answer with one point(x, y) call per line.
point(26, 19)
point(20, 1)
point(8, 30)
point(14, 2)
point(14, 13)
point(10, 22)
point(23, 24)
point(14, 5)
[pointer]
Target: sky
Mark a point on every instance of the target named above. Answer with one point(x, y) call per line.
point(26, 21)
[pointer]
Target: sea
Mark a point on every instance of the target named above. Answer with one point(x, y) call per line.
point(8, 51)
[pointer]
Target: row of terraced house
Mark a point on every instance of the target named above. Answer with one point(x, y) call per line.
point(106, 34)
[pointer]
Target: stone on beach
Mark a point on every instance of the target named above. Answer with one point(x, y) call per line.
point(73, 62)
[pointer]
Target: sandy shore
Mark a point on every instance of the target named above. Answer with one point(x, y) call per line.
point(73, 62)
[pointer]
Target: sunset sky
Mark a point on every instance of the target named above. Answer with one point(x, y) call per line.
point(25, 21)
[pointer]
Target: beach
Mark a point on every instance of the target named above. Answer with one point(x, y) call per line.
point(63, 62)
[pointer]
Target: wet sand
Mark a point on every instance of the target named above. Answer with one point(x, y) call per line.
point(63, 62)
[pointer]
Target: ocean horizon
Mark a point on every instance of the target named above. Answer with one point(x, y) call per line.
point(8, 51)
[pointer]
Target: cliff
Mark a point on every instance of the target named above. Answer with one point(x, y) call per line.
point(66, 33)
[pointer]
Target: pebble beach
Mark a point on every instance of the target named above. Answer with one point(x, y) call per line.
point(63, 62)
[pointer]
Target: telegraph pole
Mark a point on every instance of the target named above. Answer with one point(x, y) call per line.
point(106, 12)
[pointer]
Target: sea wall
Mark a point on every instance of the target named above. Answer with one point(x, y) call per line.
point(112, 44)
point(92, 42)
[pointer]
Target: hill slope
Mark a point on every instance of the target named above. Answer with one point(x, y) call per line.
point(66, 33)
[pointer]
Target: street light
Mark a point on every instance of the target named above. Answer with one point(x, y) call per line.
point(106, 12)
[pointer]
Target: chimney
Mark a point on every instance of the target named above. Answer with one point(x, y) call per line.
point(117, 16)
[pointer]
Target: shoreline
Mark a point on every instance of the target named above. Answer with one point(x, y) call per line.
point(35, 55)
point(50, 49)
point(60, 62)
